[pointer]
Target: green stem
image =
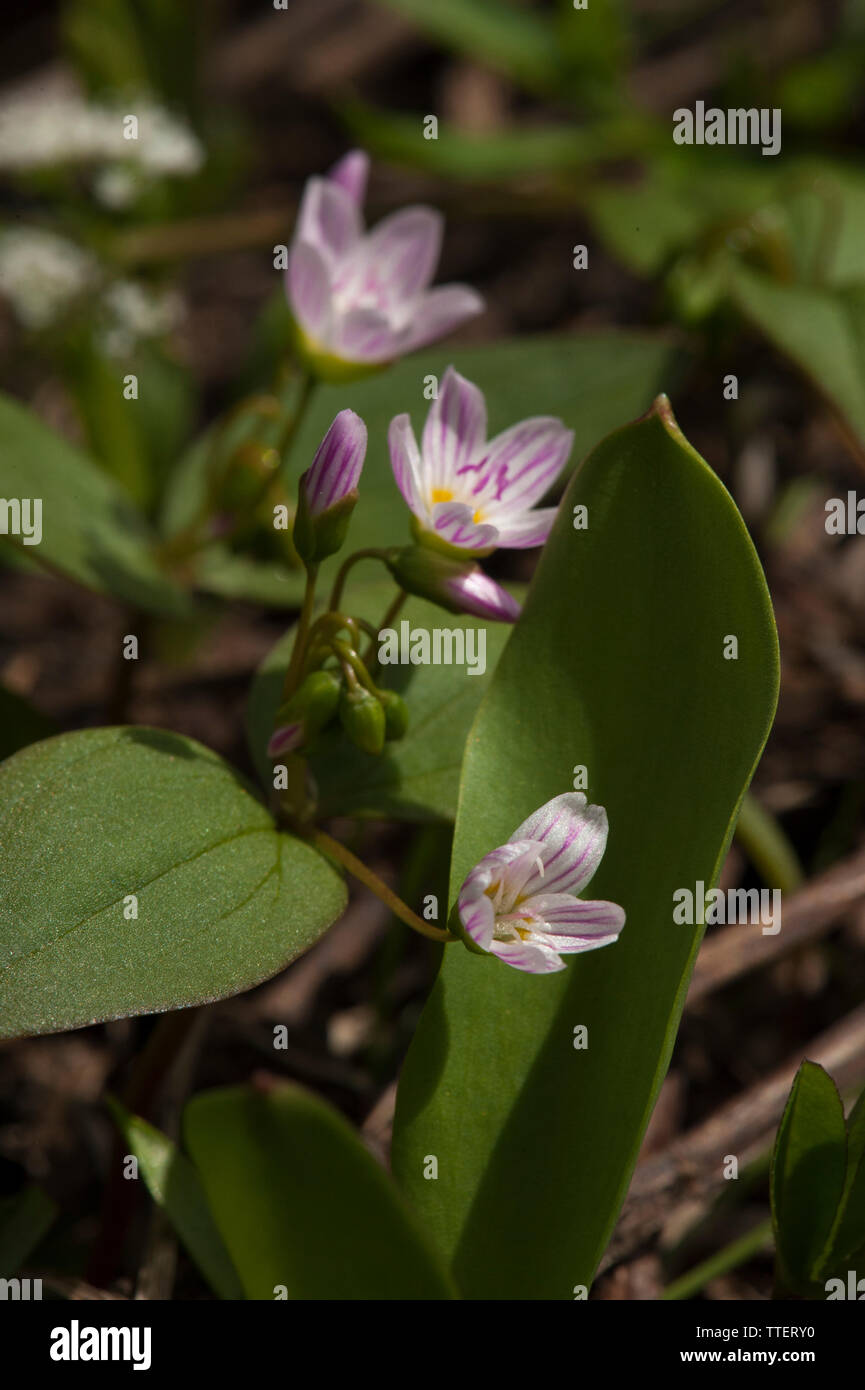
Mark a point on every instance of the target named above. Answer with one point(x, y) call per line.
point(767, 847)
point(359, 870)
point(298, 651)
point(342, 574)
point(732, 1255)
point(386, 621)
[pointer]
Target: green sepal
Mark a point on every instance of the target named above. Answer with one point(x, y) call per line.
point(363, 718)
point(317, 537)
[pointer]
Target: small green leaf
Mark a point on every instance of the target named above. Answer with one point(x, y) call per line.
point(90, 529)
point(301, 1204)
point(808, 1167)
point(536, 1138)
point(821, 329)
point(24, 1220)
point(848, 1236)
point(100, 825)
point(176, 1187)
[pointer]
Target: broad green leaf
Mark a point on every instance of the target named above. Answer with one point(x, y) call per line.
point(513, 39)
point(98, 823)
point(822, 330)
point(176, 1187)
point(591, 380)
point(24, 1220)
point(617, 664)
point(417, 777)
point(301, 1204)
point(808, 1167)
point(91, 532)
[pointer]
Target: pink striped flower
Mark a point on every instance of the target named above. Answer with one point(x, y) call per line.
point(362, 299)
point(520, 901)
point(469, 493)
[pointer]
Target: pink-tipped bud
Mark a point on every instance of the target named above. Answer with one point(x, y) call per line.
point(328, 489)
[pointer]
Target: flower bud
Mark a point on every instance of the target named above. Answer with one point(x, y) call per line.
point(460, 587)
point(328, 489)
point(309, 709)
point(395, 714)
point(363, 718)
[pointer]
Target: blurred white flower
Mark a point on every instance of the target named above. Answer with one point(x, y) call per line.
point(40, 274)
point(37, 132)
point(136, 311)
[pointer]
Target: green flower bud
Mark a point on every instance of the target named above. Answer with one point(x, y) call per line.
point(395, 714)
point(363, 718)
point(315, 702)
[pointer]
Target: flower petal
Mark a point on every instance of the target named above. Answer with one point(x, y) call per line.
point(364, 335)
point(308, 285)
point(519, 465)
point(588, 924)
point(574, 837)
point(286, 738)
point(439, 312)
point(403, 250)
point(535, 957)
point(407, 465)
point(328, 219)
point(478, 594)
point(453, 522)
point(351, 173)
point(456, 427)
point(338, 461)
point(525, 531)
point(509, 866)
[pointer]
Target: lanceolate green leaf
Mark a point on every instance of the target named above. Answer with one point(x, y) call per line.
point(617, 664)
point(847, 1240)
point(303, 1207)
point(90, 529)
point(175, 1186)
point(99, 826)
point(808, 1167)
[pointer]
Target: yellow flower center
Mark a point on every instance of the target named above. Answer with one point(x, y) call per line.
point(444, 494)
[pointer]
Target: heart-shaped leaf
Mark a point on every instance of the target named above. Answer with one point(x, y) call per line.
point(621, 664)
point(139, 873)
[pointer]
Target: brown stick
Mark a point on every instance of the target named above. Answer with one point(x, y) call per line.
point(807, 915)
point(691, 1168)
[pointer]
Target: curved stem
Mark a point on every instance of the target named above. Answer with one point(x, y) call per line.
point(386, 621)
point(359, 870)
point(342, 574)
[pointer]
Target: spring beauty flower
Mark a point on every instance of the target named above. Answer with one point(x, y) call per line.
point(520, 901)
point(361, 299)
point(328, 489)
point(467, 493)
